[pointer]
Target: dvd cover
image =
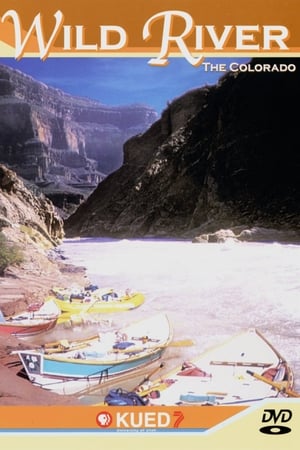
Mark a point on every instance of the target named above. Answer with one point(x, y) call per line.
point(149, 224)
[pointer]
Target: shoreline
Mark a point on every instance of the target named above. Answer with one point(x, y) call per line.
point(32, 285)
point(18, 289)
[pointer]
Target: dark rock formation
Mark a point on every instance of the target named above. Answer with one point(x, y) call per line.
point(220, 156)
point(64, 144)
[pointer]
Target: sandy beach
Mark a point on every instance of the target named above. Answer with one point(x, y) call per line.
point(18, 289)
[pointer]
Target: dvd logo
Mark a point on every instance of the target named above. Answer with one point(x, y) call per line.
point(270, 415)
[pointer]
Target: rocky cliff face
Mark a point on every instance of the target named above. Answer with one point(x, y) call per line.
point(31, 226)
point(22, 212)
point(220, 156)
point(64, 144)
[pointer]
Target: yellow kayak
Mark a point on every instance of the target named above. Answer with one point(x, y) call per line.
point(104, 300)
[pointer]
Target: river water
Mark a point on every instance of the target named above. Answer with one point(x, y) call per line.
point(209, 291)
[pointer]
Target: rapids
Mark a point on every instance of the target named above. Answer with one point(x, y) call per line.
point(209, 291)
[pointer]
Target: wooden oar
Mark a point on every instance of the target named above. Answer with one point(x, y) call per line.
point(65, 343)
point(280, 386)
point(147, 377)
point(89, 305)
point(112, 383)
point(55, 344)
point(61, 349)
point(182, 343)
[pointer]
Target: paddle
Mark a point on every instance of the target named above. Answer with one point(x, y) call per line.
point(147, 377)
point(182, 343)
point(89, 305)
point(280, 386)
point(76, 341)
point(61, 349)
point(55, 344)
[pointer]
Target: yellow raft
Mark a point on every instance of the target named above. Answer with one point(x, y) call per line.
point(104, 300)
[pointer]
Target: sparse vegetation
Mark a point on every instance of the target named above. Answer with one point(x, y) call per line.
point(9, 254)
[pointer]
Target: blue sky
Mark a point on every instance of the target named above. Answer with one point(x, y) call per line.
point(120, 81)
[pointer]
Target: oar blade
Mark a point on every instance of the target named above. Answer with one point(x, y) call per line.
point(182, 343)
point(280, 386)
